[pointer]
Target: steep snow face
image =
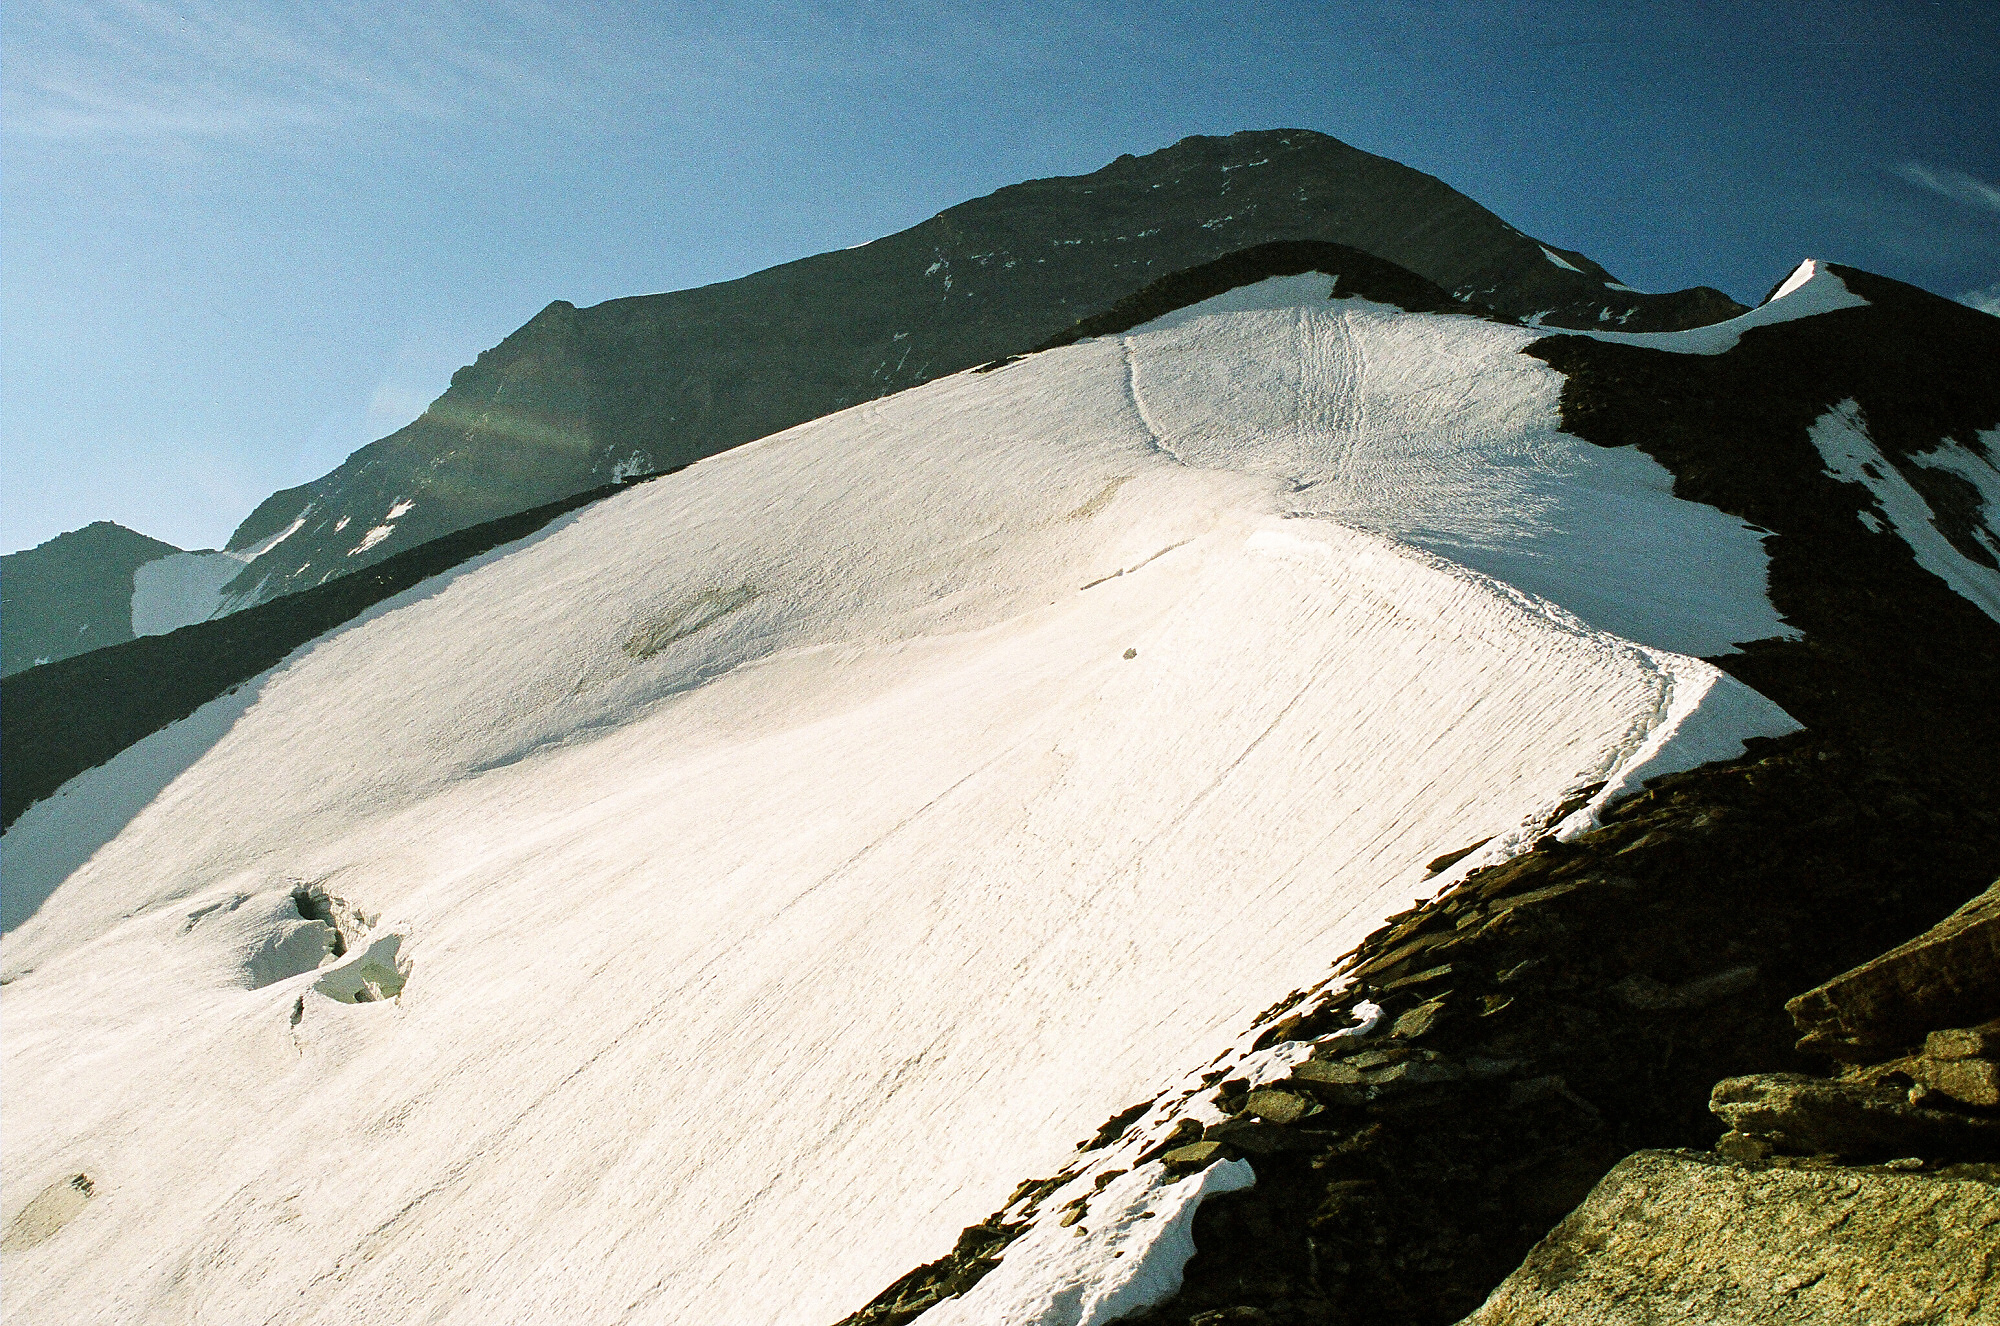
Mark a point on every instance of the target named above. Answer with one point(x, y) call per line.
point(705, 910)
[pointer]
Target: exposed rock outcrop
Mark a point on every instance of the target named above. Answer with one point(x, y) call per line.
point(1676, 1237)
point(1800, 1115)
point(1947, 977)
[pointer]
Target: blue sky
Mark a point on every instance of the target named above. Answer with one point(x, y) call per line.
point(242, 240)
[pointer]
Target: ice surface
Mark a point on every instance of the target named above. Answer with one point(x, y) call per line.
point(1851, 455)
point(784, 858)
point(1560, 261)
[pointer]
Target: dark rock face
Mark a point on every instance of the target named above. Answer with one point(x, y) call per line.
point(1674, 1237)
point(71, 594)
point(578, 397)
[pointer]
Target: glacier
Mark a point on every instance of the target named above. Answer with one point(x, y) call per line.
point(752, 875)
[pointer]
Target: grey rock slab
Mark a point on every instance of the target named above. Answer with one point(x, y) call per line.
point(1672, 1237)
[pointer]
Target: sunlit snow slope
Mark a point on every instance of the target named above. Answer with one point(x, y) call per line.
point(780, 860)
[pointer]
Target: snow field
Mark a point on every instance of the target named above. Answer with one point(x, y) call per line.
point(784, 859)
point(186, 587)
point(1438, 432)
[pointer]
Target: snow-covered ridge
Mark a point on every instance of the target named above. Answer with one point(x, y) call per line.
point(1811, 289)
point(794, 852)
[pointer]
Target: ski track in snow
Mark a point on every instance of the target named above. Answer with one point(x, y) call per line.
point(750, 954)
point(1154, 437)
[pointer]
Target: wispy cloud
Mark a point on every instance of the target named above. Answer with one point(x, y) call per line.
point(192, 69)
point(144, 69)
point(1953, 184)
point(1986, 301)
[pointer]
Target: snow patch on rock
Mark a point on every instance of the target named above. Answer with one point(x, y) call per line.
point(1126, 1255)
point(1841, 435)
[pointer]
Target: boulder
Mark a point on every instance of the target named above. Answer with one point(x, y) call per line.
point(1949, 976)
point(1982, 1042)
point(1968, 1081)
point(1672, 1237)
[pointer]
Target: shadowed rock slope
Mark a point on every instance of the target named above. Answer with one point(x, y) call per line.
point(579, 397)
point(1551, 1015)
